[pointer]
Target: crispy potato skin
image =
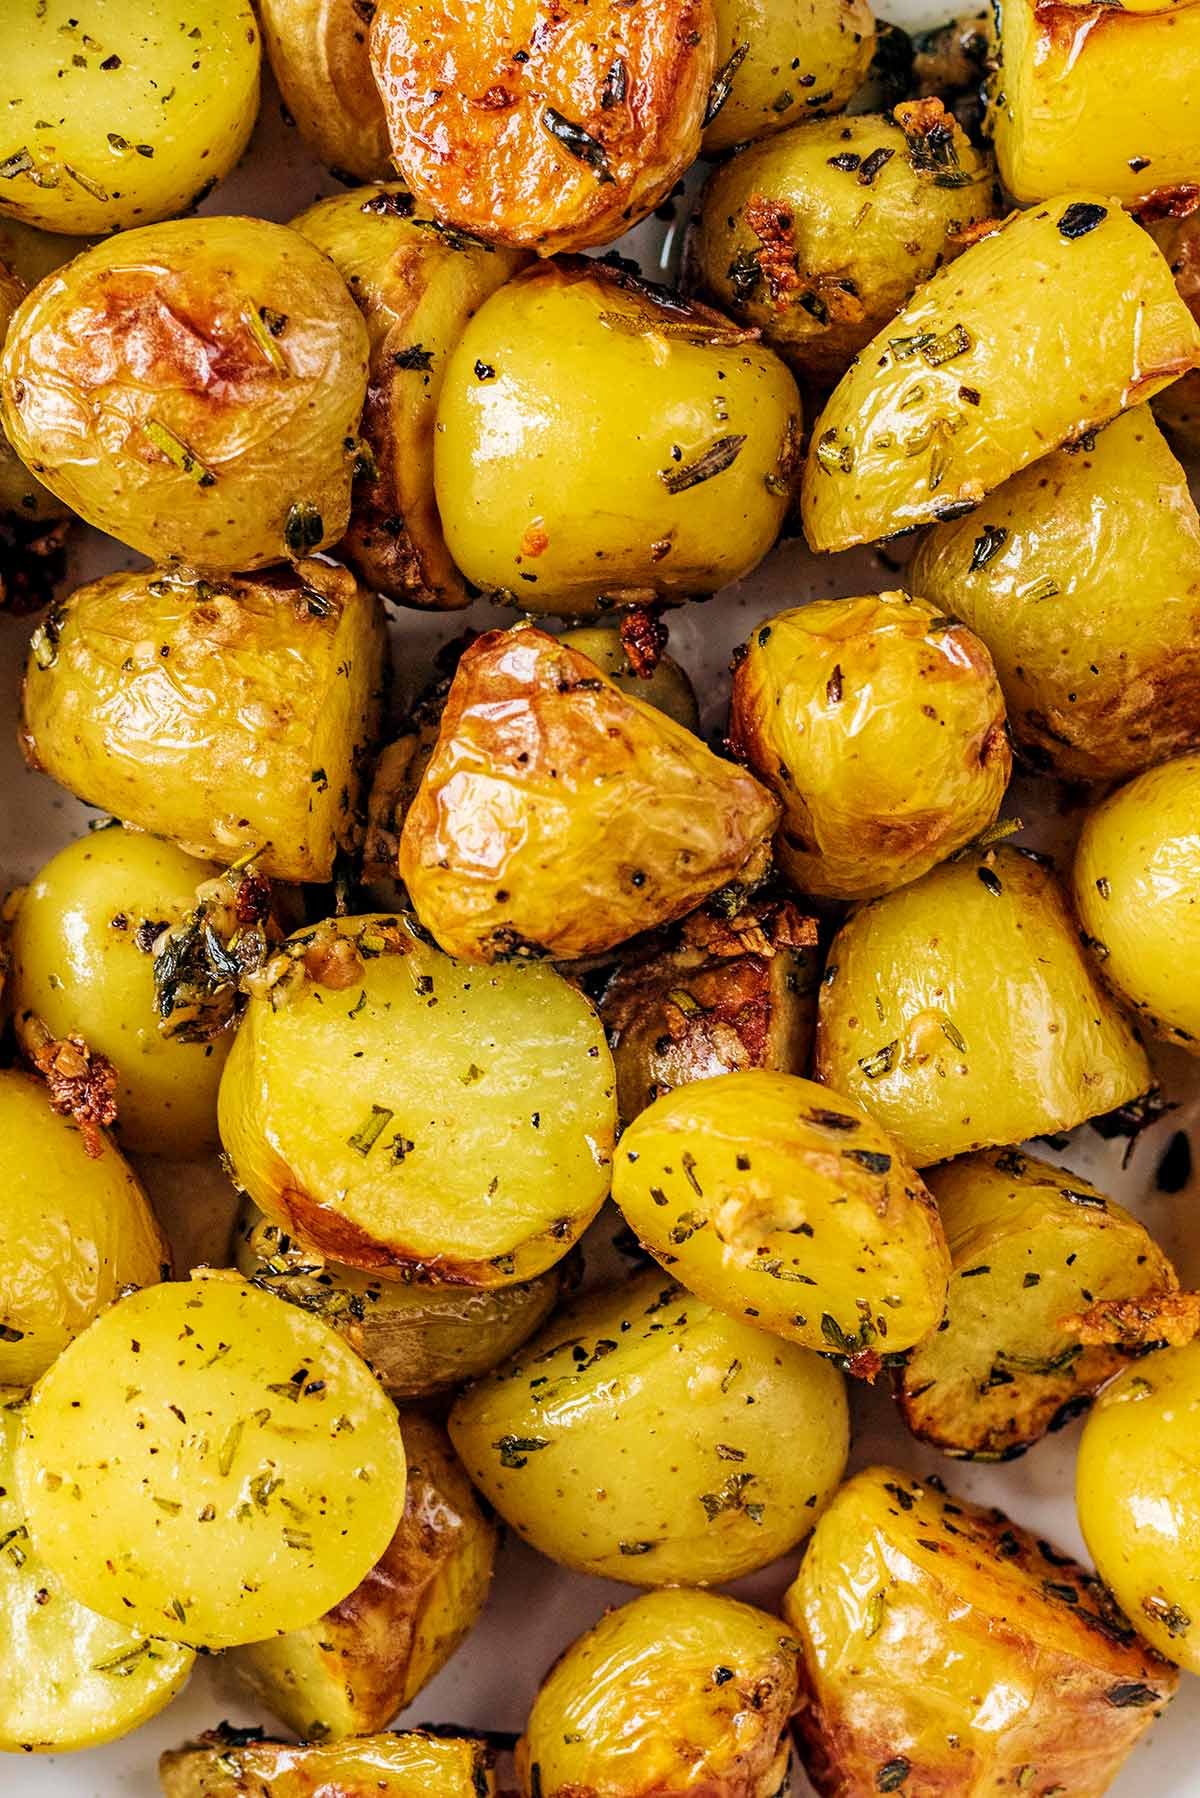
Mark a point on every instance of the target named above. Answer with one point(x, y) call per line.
point(318, 50)
point(559, 816)
point(143, 384)
point(1029, 1245)
point(945, 1650)
point(1137, 892)
point(411, 1765)
point(820, 235)
point(1082, 575)
point(1014, 362)
point(231, 716)
point(796, 59)
point(962, 1012)
point(417, 289)
point(472, 89)
point(561, 497)
point(879, 725)
point(632, 1709)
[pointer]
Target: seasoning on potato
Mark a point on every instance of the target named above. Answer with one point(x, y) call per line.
point(320, 58)
point(962, 1012)
point(415, 1116)
point(1082, 576)
point(559, 816)
point(235, 1763)
point(666, 687)
point(998, 359)
point(1030, 1244)
point(946, 1650)
point(602, 443)
point(784, 61)
point(194, 389)
point(231, 716)
point(530, 124)
point(879, 725)
point(779, 1201)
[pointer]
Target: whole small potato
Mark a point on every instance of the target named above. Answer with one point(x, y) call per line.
point(680, 1692)
point(233, 716)
point(318, 51)
point(879, 725)
point(781, 1202)
point(560, 492)
point(1082, 576)
point(962, 1012)
point(193, 389)
point(21, 494)
point(820, 235)
point(529, 123)
point(779, 61)
point(401, 1764)
point(645, 1437)
point(1137, 892)
point(668, 688)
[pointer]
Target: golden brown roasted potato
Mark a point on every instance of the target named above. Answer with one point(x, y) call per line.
point(1082, 576)
point(21, 493)
point(534, 125)
point(997, 360)
point(780, 61)
point(1177, 407)
point(319, 56)
point(232, 716)
point(238, 1763)
point(879, 725)
point(667, 687)
point(559, 816)
point(1030, 1244)
point(228, 365)
point(962, 1013)
point(947, 1651)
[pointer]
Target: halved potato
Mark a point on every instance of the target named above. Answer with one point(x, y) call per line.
point(239, 1763)
point(318, 50)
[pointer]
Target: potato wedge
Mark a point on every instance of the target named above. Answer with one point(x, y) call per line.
point(231, 716)
point(997, 360)
point(779, 1201)
point(210, 1465)
point(962, 1013)
point(559, 816)
point(239, 1763)
point(945, 1650)
point(784, 61)
point(667, 688)
point(319, 56)
point(1029, 1245)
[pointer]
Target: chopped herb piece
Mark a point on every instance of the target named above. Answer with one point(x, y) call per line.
point(989, 543)
point(577, 142)
point(1081, 217)
point(954, 342)
point(1131, 1692)
point(415, 357)
point(892, 1775)
point(877, 160)
point(616, 86)
point(722, 455)
point(744, 275)
point(874, 1162)
point(369, 1132)
point(832, 458)
point(636, 1548)
point(19, 163)
point(876, 1605)
point(731, 1496)
point(882, 1061)
point(1173, 1618)
point(722, 85)
point(177, 451)
point(515, 1450)
point(991, 881)
point(303, 528)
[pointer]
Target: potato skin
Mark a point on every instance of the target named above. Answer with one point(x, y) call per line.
point(408, 1765)
point(1137, 892)
point(634, 1709)
point(417, 288)
point(820, 235)
point(945, 1651)
point(565, 498)
point(643, 1436)
point(786, 1204)
point(668, 689)
point(319, 56)
point(1082, 576)
point(879, 725)
point(781, 61)
point(21, 493)
point(231, 716)
point(485, 102)
point(559, 816)
point(997, 360)
point(962, 1013)
point(228, 437)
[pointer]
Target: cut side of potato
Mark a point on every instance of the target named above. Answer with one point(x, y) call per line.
point(240, 1763)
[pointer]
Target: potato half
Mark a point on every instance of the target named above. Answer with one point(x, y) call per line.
point(780, 61)
point(233, 1763)
point(318, 50)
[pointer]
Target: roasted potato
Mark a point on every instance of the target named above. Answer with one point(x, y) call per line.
point(1177, 407)
point(879, 724)
point(820, 235)
point(232, 716)
point(355, 1668)
point(961, 1012)
point(779, 61)
point(193, 389)
point(721, 995)
point(1082, 576)
point(997, 360)
point(417, 288)
point(559, 816)
point(156, 1448)
point(1137, 892)
point(530, 125)
point(414, 1117)
point(1030, 1244)
point(667, 687)
point(320, 59)
point(680, 1692)
point(182, 87)
point(601, 443)
point(420, 1339)
point(237, 1763)
point(782, 1202)
point(68, 1678)
point(77, 1230)
point(21, 493)
point(946, 1651)
point(645, 1437)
